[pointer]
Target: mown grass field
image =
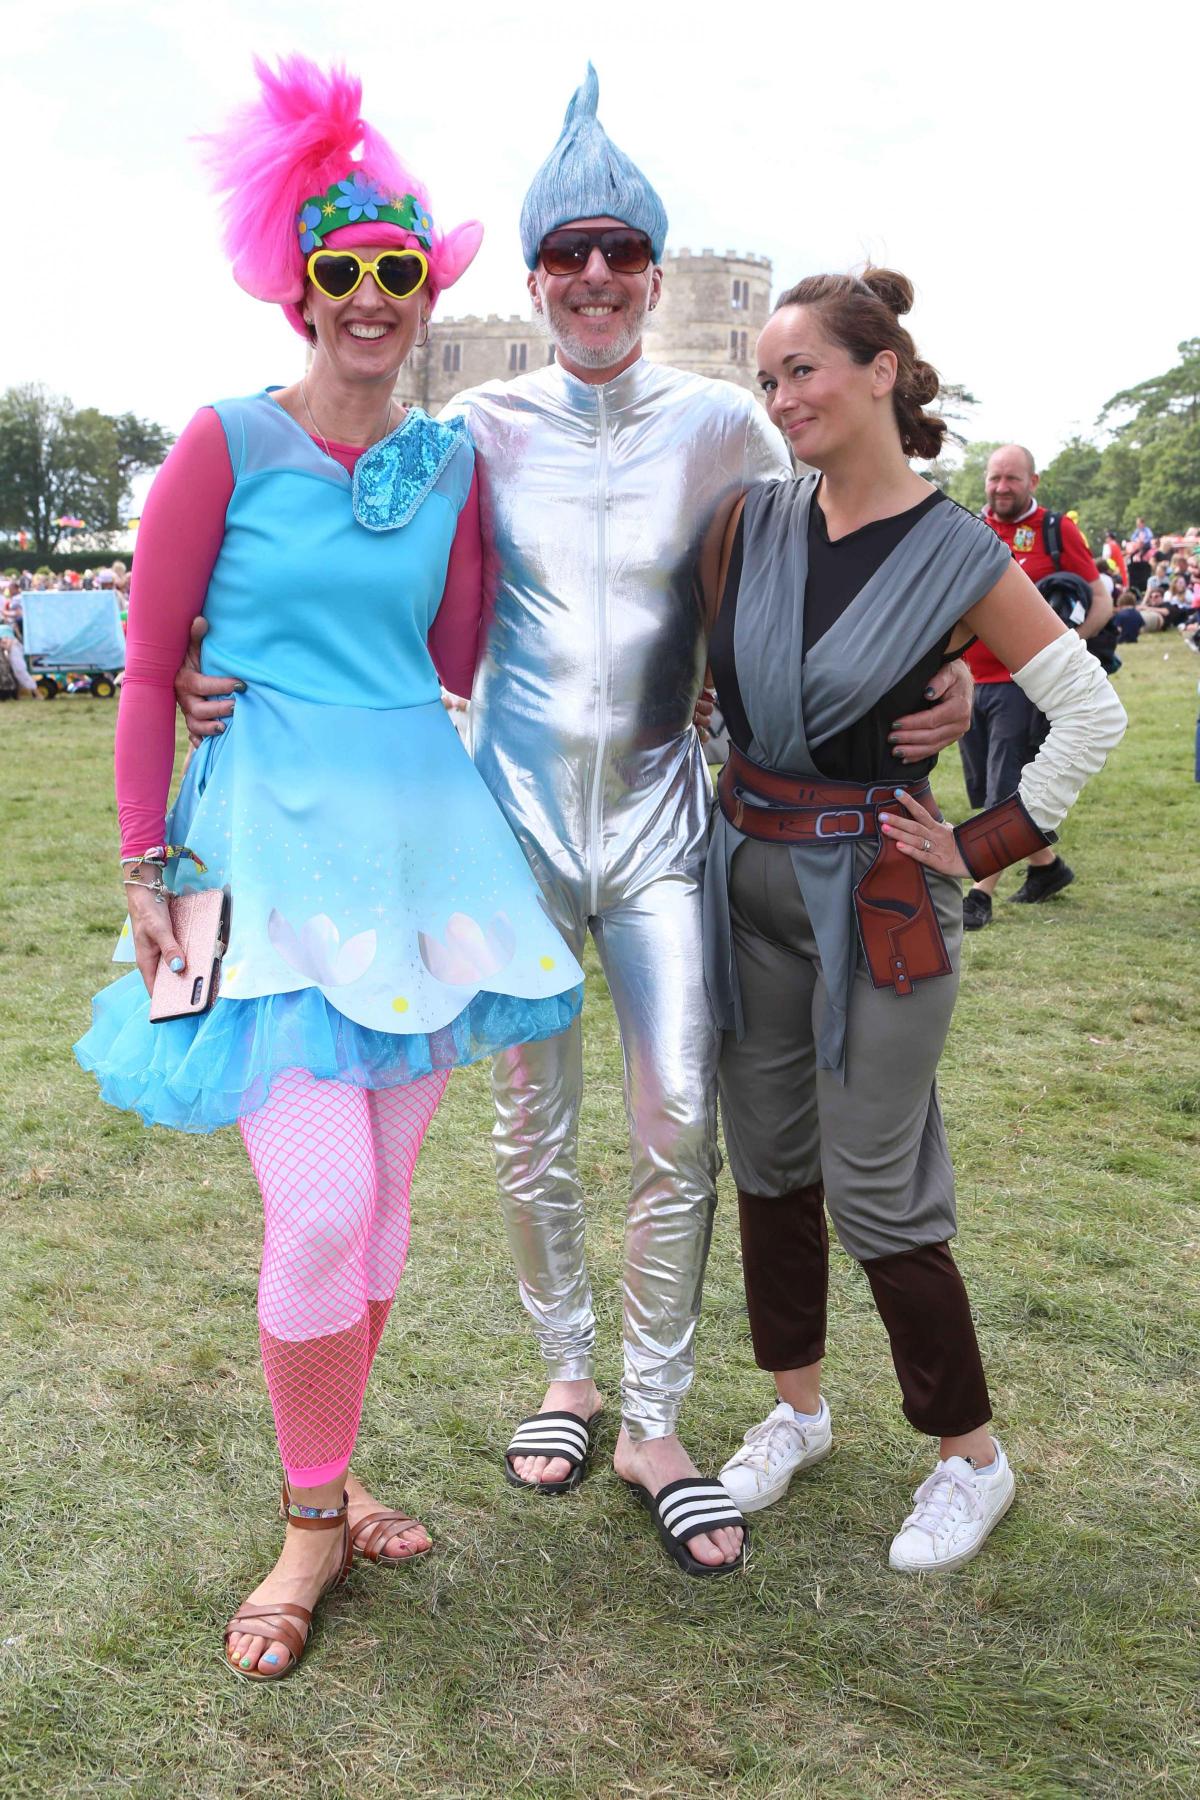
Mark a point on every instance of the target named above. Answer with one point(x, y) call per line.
point(549, 1648)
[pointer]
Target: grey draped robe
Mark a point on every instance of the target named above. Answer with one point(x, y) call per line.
point(947, 562)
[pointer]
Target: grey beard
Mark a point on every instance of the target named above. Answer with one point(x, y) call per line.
point(556, 325)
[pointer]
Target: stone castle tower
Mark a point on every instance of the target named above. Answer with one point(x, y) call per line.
point(712, 308)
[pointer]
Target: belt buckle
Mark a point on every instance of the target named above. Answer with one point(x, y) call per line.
point(840, 814)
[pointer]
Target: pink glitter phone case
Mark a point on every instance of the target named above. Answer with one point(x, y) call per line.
point(200, 923)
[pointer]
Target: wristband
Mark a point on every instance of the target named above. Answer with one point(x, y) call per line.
point(161, 854)
point(1002, 835)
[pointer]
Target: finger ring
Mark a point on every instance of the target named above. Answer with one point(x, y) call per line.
point(926, 845)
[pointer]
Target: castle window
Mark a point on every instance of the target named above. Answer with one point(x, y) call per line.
point(742, 347)
point(741, 296)
point(738, 341)
point(517, 355)
point(451, 358)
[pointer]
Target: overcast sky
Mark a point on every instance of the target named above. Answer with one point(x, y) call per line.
point(1030, 168)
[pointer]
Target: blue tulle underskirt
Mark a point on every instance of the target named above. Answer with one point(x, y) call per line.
point(200, 1074)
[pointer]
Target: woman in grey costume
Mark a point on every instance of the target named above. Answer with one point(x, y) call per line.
point(840, 594)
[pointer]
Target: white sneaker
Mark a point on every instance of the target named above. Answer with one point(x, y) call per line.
point(956, 1509)
point(784, 1443)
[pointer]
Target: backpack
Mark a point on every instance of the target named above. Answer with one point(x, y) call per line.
point(1064, 598)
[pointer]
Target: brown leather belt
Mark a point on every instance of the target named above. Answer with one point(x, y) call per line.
point(901, 936)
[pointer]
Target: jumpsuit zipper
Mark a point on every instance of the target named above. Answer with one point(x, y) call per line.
point(595, 846)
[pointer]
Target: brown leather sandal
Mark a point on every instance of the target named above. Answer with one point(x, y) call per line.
point(285, 1622)
point(370, 1535)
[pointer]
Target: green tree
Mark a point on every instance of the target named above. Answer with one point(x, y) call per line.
point(1168, 491)
point(57, 461)
point(1111, 503)
point(1157, 426)
point(1067, 481)
point(1173, 395)
point(965, 483)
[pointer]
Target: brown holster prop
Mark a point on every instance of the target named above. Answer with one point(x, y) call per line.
point(901, 936)
point(1002, 835)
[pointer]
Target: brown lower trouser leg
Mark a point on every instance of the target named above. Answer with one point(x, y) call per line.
point(923, 1303)
point(785, 1264)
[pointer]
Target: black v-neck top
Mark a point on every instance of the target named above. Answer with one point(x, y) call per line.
point(838, 570)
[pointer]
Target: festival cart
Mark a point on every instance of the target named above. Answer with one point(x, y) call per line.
point(74, 634)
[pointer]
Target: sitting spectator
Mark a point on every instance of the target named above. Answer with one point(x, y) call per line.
point(120, 578)
point(1159, 607)
point(1177, 601)
point(11, 649)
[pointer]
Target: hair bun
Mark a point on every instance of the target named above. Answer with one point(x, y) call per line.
point(924, 386)
point(888, 285)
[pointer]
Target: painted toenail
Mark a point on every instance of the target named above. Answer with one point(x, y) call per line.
point(245, 1662)
point(271, 1659)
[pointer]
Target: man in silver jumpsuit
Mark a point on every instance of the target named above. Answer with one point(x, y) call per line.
point(600, 475)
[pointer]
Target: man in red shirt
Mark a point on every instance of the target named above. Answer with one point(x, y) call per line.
point(1005, 728)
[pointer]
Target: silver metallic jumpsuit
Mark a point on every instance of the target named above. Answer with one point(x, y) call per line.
point(599, 498)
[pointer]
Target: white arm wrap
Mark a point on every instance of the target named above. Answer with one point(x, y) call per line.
point(1066, 682)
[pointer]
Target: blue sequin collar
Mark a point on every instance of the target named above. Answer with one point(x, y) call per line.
point(394, 476)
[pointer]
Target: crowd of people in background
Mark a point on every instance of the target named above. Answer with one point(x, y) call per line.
point(114, 575)
point(1155, 582)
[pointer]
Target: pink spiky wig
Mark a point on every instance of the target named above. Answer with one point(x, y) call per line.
point(295, 141)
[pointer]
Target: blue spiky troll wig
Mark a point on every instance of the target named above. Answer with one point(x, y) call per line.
point(585, 176)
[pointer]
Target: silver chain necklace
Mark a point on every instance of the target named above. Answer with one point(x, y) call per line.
point(316, 433)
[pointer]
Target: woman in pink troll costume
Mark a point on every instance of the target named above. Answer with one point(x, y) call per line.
point(385, 927)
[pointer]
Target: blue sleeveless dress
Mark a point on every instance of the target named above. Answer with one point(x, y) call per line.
point(384, 920)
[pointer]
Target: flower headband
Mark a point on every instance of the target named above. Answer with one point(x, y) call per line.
point(356, 198)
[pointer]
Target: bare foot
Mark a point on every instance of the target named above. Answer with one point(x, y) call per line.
point(652, 1464)
point(405, 1544)
point(307, 1563)
point(579, 1397)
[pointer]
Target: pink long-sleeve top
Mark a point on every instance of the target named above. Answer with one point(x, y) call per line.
point(179, 539)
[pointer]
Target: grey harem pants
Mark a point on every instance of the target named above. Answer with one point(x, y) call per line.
point(872, 1148)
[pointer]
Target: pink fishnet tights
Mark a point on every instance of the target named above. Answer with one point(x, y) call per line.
point(335, 1165)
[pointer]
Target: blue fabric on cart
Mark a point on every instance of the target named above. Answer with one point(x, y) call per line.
point(197, 1075)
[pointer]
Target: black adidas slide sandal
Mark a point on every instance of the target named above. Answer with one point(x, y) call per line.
point(553, 1434)
point(683, 1510)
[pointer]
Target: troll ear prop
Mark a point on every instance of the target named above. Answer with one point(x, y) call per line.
point(457, 251)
